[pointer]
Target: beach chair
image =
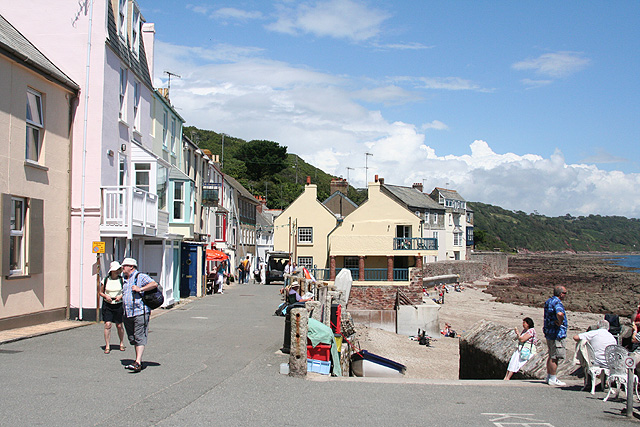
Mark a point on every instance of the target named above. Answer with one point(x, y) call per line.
point(615, 356)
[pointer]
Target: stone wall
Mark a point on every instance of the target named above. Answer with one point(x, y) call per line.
point(480, 265)
point(495, 263)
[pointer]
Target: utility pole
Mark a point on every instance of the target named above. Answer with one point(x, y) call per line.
point(222, 160)
point(348, 169)
point(296, 170)
point(366, 168)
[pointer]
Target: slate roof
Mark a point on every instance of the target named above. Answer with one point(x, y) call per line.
point(412, 197)
point(449, 194)
point(17, 47)
point(243, 191)
point(138, 65)
point(339, 193)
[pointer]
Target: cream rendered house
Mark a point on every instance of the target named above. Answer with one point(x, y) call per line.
point(302, 229)
point(380, 240)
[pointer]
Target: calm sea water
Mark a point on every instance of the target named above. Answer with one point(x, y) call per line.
point(628, 261)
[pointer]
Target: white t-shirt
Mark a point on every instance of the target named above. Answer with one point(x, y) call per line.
point(599, 340)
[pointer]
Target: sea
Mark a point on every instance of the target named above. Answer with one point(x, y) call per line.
point(632, 261)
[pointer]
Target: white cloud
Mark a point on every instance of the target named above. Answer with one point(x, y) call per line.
point(341, 19)
point(225, 13)
point(390, 94)
point(441, 83)
point(319, 117)
point(403, 46)
point(554, 65)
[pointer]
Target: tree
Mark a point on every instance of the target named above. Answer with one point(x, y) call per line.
point(262, 158)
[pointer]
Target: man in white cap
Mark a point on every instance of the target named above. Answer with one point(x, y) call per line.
point(136, 313)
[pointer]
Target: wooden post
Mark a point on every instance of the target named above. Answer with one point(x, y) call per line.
point(298, 352)
point(97, 287)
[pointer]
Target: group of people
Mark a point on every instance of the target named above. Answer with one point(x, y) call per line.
point(122, 304)
point(555, 333)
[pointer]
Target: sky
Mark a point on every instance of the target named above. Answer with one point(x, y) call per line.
point(531, 106)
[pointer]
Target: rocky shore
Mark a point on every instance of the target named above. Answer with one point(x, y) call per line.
point(596, 287)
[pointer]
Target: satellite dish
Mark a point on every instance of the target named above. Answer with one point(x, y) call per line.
point(417, 213)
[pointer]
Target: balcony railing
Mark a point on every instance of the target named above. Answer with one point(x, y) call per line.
point(370, 274)
point(128, 211)
point(415, 243)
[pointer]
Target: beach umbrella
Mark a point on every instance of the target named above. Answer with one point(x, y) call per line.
point(216, 255)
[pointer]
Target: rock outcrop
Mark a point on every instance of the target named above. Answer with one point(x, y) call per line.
point(485, 351)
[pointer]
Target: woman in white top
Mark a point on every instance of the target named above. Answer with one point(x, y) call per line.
point(112, 310)
point(526, 347)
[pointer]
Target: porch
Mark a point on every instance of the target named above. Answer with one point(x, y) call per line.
point(127, 211)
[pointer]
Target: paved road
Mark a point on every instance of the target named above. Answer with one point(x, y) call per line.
point(216, 361)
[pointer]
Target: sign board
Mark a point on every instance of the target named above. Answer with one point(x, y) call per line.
point(629, 362)
point(98, 247)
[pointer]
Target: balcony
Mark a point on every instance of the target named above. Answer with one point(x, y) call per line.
point(127, 212)
point(415, 244)
point(210, 194)
point(370, 274)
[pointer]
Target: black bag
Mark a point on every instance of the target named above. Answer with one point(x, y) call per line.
point(152, 298)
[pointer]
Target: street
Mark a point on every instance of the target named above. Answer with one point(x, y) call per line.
point(215, 361)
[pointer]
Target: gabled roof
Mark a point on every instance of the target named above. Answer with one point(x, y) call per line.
point(412, 197)
point(240, 189)
point(339, 193)
point(448, 194)
point(264, 221)
point(18, 48)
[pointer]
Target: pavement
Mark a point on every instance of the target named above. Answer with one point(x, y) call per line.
point(216, 361)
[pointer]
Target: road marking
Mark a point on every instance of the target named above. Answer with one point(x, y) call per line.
point(199, 317)
point(508, 419)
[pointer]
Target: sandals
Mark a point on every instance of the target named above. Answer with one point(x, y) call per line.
point(123, 348)
point(135, 367)
point(107, 350)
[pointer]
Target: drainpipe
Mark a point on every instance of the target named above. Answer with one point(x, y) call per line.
point(338, 224)
point(84, 156)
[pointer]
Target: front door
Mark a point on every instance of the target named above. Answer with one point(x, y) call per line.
point(189, 270)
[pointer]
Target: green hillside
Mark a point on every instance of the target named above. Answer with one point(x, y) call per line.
point(495, 227)
point(266, 169)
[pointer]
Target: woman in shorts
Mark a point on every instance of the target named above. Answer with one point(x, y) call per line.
point(112, 310)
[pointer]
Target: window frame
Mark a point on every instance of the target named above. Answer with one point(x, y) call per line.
point(31, 236)
point(302, 263)
point(173, 135)
point(305, 235)
point(140, 170)
point(122, 114)
point(16, 234)
point(122, 19)
point(34, 126)
point(136, 105)
point(178, 201)
point(135, 31)
point(165, 129)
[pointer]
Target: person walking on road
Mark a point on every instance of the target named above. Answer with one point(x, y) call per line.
point(555, 331)
point(136, 320)
point(112, 311)
point(220, 273)
point(246, 267)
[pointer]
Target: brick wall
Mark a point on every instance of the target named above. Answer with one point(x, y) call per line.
point(383, 297)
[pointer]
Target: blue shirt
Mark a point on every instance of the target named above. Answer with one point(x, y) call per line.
point(133, 304)
point(552, 331)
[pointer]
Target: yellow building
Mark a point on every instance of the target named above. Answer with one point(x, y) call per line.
point(302, 229)
point(380, 240)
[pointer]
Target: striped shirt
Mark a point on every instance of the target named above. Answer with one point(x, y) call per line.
point(133, 304)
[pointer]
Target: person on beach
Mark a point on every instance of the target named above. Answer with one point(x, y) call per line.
point(526, 339)
point(112, 311)
point(136, 320)
point(555, 331)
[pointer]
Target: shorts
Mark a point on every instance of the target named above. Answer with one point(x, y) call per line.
point(557, 350)
point(112, 312)
point(137, 328)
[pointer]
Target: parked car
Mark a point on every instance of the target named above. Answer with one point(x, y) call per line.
point(276, 261)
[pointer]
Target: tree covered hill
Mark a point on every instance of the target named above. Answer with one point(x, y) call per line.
point(266, 169)
point(495, 227)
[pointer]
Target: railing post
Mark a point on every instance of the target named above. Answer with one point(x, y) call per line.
point(298, 352)
point(389, 268)
point(361, 268)
point(332, 267)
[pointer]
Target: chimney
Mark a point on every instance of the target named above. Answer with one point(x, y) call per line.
point(381, 180)
point(148, 38)
point(339, 184)
point(375, 179)
point(418, 186)
point(308, 180)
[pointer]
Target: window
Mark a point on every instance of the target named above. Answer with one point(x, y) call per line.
point(457, 239)
point(142, 176)
point(403, 231)
point(165, 129)
point(22, 235)
point(306, 262)
point(178, 200)
point(187, 167)
point(173, 136)
point(426, 217)
point(351, 262)
point(435, 217)
point(305, 235)
point(161, 187)
point(220, 227)
point(135, 31)
point(136, 106)
point(122, 170)
point(123, 94)
point(35, 125)
point(122, 18)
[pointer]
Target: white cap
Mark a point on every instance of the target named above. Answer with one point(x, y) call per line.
point(115, 265)
point(129, 261)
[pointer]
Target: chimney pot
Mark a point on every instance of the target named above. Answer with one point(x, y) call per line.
point(308, 180)
point(376, 178)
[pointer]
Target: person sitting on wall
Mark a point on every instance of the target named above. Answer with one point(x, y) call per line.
point(294, 296)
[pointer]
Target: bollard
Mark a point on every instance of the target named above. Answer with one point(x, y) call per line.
point(630, 389)
point(298, 351)
point(315, 308)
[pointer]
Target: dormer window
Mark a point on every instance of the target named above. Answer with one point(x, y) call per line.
point(122, 19)
point(135, 32)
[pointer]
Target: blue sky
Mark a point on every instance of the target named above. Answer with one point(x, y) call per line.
point(525, 105)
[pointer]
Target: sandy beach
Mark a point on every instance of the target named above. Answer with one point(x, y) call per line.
point(462, 310)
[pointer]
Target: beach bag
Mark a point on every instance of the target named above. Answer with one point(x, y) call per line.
point(152, 298)
point(527, 352)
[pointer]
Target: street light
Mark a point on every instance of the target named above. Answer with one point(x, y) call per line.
point(366, 168)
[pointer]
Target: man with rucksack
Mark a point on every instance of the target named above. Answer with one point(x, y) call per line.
point(136, 313)
point(246, 267)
